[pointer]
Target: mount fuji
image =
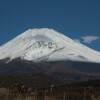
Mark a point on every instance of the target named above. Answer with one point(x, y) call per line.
point(47, 45)
point(48, 52)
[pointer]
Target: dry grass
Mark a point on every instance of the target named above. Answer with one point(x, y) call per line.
point(6, 94)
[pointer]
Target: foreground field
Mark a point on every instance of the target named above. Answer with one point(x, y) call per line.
point(61, 93)
point(34, 87)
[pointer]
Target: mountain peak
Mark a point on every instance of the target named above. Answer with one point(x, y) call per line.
point(48, 45)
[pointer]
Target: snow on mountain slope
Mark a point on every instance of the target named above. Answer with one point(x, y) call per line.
point(48, 45)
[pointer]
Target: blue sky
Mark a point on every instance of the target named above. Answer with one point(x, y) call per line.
point(78, 19)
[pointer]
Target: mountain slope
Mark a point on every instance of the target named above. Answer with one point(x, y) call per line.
point(47, 45)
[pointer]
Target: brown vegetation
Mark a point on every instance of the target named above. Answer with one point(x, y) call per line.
point(21, 92)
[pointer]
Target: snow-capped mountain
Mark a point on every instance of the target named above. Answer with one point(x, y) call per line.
point(47, 45)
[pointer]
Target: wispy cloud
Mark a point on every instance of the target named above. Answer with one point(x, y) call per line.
point(77, 40)
point(89, 39)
